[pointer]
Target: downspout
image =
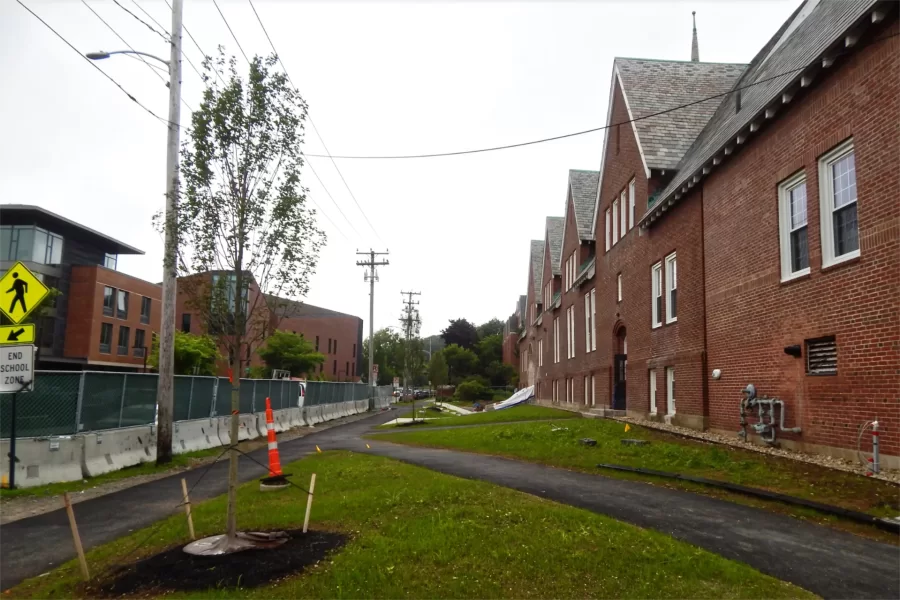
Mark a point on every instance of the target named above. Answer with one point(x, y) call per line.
point(704, 358)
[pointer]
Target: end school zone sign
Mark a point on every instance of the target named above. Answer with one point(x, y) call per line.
point(16, 369)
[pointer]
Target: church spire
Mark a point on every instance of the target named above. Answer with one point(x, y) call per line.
point(695, 50)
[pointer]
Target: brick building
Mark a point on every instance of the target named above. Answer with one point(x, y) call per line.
point(754, 235)
point(528, 341)
point(512, 330)
point(102, 319)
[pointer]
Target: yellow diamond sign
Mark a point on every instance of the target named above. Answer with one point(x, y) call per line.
point(20, 292)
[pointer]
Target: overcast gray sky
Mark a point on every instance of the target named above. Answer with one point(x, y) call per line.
point(380, 78)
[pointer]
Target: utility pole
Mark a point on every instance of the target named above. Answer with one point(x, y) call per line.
point(166, 387)
point(371, 276)
point(410, 322)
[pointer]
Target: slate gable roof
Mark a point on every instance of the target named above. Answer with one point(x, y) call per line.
point(651, 86)
point(555, 226)
point(825, 25)
point(583, 185)
point(537, 266)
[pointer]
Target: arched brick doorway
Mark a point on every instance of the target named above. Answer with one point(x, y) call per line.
point(620, 363)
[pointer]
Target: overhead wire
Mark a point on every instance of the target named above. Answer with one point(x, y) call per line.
point(315, 129)
point(221, 14)
point(592, 130)
point(130, 47)
point(169, 35)
point(142, 22)
point(90, 62)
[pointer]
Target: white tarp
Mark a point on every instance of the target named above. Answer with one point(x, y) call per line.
point(523, 395)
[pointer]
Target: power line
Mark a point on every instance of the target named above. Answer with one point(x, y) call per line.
point(90, 62)
point(315, 129)
point(183, 53)
point(593, 130)
point(142, 22)
point(221, 14)
point(205, 56)
point(130, 47)
point(311, 168)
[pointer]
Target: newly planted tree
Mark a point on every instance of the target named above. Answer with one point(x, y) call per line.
point(246, 237)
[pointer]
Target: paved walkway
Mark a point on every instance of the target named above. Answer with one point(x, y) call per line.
point(830, 563)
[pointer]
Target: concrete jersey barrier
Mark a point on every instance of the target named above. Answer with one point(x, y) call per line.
point(44, 460)
point(198, 434)
point(106, 451)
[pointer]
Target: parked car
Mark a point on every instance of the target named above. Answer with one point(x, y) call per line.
point(420, 394)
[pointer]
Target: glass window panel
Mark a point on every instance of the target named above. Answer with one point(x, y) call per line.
point(798, 206)
point(122, 304)
point(799, 250)
point(846, 232)
point(25, 243)
point(843, 173)
point(39, 246)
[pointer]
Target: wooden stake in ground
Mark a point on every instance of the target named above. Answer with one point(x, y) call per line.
point(187, 508)
point(75, 537)
point(312, 488)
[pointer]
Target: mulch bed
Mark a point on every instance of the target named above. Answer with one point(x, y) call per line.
point(175, 570)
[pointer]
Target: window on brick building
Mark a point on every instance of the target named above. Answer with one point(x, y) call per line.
point(593, 320)
point(317, 343)
point(670, 390)
point(623, 202)
point(540, 353)
point(145, 310)
point(139, 343)
point(122, 304)
point(186, 322)
point(608, 226)
point(652, 375)
point(619, 287)
point(329, 345)
point(334, 368)
point(124, 335)
point(556, 340)
point(793, 228)
point(656, 295)
point(615, 221)
point(109, 301)
point(671, 289)
point(588, 323)
point(570, 332)
point(631, 204)
point(354, 349)
point(106, 330)
point(821, 356)
point(837, 198)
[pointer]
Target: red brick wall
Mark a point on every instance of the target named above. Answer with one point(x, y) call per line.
point(550, 371)
point(678, 344)
point(528, 344)
point(85, 314)
point(342, 330)
point(753, 316)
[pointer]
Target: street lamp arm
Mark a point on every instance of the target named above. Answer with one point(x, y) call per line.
point(101, 55)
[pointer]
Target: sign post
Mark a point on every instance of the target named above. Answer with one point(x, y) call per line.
point(20, 293)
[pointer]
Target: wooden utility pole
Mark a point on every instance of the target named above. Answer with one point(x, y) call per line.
point(372, 276)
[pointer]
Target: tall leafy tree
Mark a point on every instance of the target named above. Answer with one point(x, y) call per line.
point(492, 327)
point(462, 362)
point(244, 230)
point(194, 354)
point(388, 355)
point(460, 332)
point(290, 352)
point(437, 369)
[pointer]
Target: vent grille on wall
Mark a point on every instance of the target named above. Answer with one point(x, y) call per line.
point(821, 356)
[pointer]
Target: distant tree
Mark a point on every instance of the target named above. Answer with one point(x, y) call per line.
point(492, 327)
point(461, 361)
point(460, 332)
point(291, 352)
point(489, 349)
point(194, 354)
point(388, 356)
point(437, 369)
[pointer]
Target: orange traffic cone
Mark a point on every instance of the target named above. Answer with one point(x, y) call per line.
point(276, 479)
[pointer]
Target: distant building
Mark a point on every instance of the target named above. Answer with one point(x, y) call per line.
point(103, 319)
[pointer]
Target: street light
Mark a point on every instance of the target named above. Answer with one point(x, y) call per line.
point(101, 55)
point(166, 367)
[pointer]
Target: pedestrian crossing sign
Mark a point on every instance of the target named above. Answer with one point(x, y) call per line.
point(20, 292)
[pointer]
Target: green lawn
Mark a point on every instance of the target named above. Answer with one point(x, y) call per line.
point(525, 412)
point(55, 489)
point(538, 442)
point(420, 534)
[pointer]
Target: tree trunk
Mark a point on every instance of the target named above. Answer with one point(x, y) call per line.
point(239, 323)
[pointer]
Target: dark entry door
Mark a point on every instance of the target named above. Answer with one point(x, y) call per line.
point(619, 381)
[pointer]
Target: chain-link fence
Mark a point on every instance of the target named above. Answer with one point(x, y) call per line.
point(67, 402)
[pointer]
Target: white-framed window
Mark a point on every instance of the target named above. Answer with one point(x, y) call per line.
point(541, 353)
point(574, 266)
point(619, 287)
point(608, 226)
point(792, 225)
point(556, 340)
point(555, 393)
point(656, 296)
point(588, 325)
point(593, 390)
point(623, 222)
point(671, 289)
point(587, 392)
point(652, 374)
point(615, 221)
point(837, 200)
point(670, 390)
point(570, 332)
point(631, 204)
point(593, 320)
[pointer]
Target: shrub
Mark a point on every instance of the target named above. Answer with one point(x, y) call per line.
point(470, 391)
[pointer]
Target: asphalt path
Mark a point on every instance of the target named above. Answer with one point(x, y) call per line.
point(831, 563)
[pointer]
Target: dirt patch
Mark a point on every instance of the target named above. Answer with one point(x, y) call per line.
point(174, 570)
